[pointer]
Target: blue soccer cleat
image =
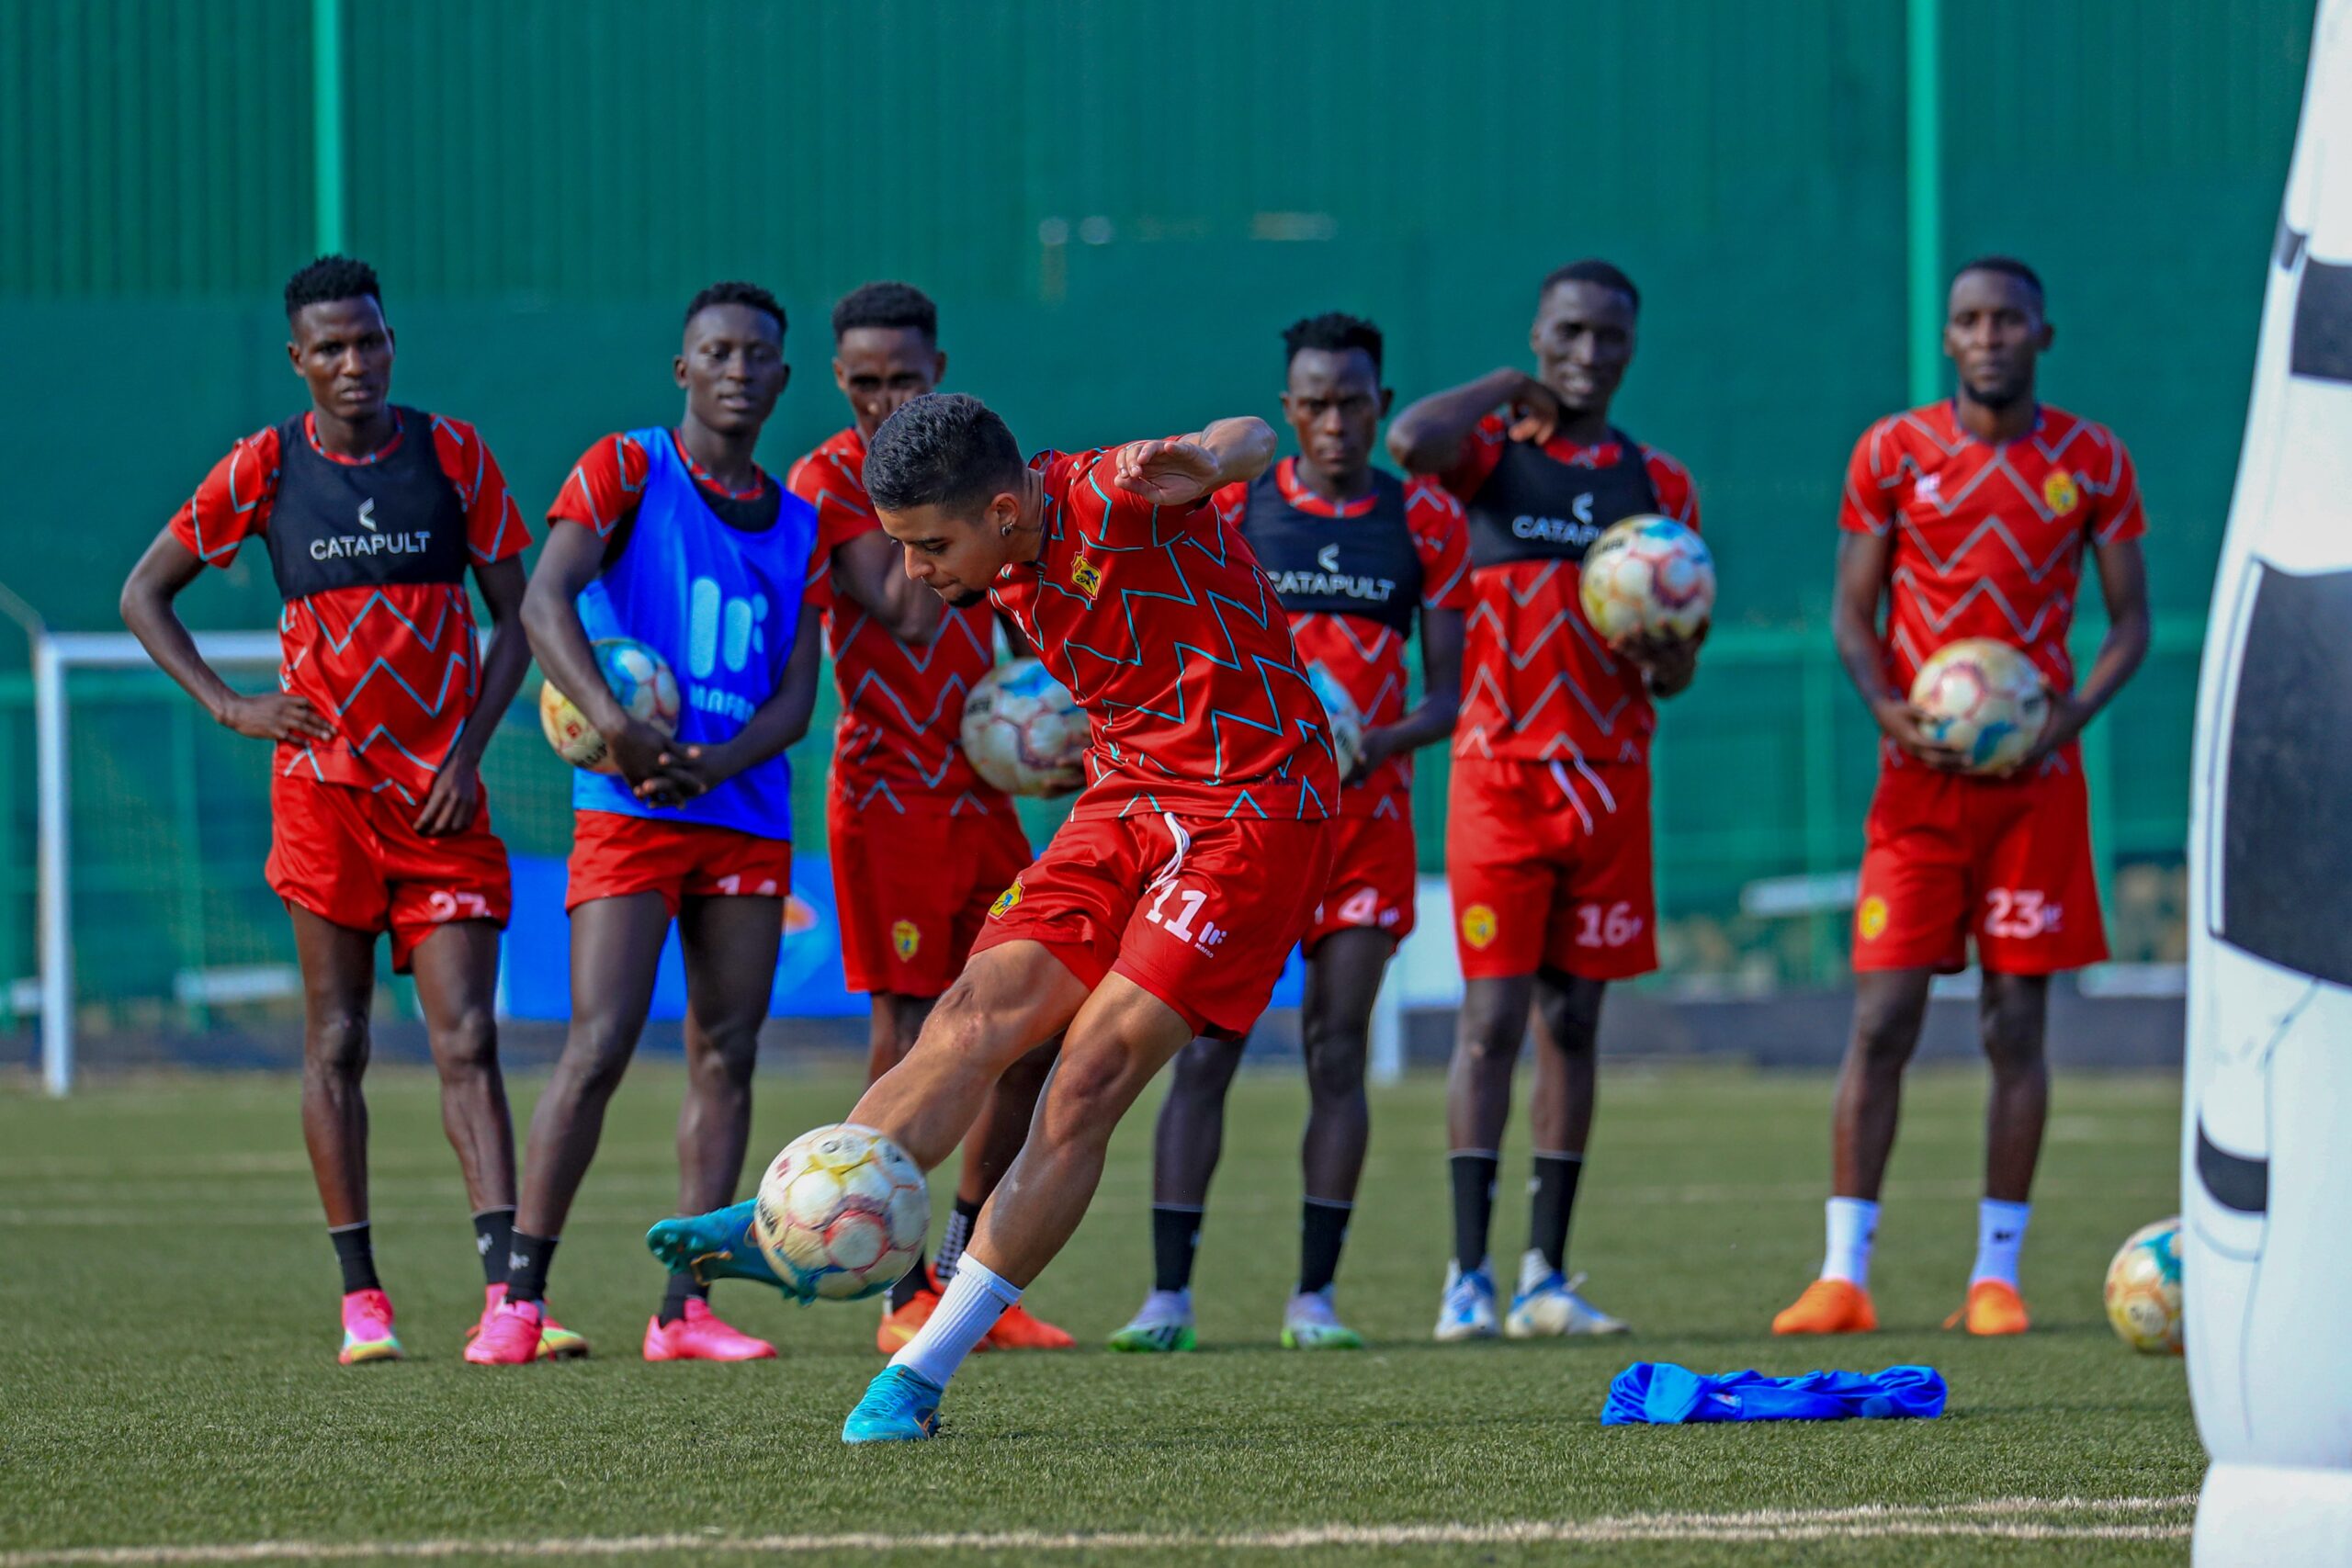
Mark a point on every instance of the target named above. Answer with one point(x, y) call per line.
point(900, 1406)
point(718, 1246)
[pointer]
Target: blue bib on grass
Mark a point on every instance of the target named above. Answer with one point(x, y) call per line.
point(1660, 1393)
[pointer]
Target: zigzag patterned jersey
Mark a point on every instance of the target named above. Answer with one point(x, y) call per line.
point(1158, 621)
point(1988, 539)
point(393, 667)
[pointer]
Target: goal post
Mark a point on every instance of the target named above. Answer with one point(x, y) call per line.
point(56, 654)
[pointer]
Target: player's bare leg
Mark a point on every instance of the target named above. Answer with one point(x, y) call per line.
point(1568, 1029)
point(1488, 1033)
point(1187, 1140)
point(1343, 977)
point(1890, 1005)
point(2011, 1012)
point(456, 970)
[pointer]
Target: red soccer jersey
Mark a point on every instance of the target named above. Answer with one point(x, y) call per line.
point(1158, 621)
point(1365, 656)
point(1988, 540)
point(393, 668)
point(1537, 681)
point(897, 744)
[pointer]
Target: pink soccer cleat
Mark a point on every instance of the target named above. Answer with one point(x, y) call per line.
point(701, 1336)
point(367, 1329)
point(557, 1343)
point(508, 1335)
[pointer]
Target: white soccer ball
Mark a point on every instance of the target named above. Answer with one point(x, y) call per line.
point(1347, 723)
point(1984, 698)
point(842, 1212)
point(2144, 1290)
point(638, 677)
point(1647, 577)
point(1023, 732)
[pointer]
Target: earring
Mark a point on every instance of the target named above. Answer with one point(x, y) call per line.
point(1005, 532)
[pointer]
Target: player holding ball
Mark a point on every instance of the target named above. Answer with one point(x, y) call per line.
point(1971, 519)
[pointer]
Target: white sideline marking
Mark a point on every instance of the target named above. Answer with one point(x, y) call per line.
point(1992, 1519)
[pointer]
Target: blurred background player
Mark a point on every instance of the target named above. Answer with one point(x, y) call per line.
point(372, 515)
point(921, 844)
point(679, 540)
point(1191, 862)
point(1352, 553)
point(1548, 813)
point(1971, 518)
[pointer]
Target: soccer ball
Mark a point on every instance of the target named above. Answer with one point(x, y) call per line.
point(2143, 1289)
point(1647, 577)
point(842, 1212)
point(1023, 731)
point(1985, 698)
point(640, 677)
point(1347, 724)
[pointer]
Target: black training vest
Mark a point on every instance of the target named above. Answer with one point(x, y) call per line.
point(1534, 507)
point(1364, 565)
point(364, 524)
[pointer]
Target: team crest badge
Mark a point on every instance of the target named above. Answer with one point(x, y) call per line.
point(1005, 902)
point(1479, 926)
point(2060, 492)
point(1085, 575)
point(905, 937)
point(1870, 918)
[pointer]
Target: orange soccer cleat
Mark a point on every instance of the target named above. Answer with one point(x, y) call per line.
point(1829, 1306)
point(900, 1323)
point(1994, 1307)
point(1016, 1330)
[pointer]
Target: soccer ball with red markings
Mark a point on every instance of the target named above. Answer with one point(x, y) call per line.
point(638, 677)
point(842, 1212)
point(1647, 577)
point(1347, 722)
point(1984, 698)
point(2144, 1290)
point(1023, 733)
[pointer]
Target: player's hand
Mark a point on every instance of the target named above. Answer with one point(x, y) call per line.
point(637, 749)
point(276, 715)
point(1907, 728)
point(1376, 747)
point(1166, 473)
point(1671, 661)
point(690, 771)
point(1534, 412)
point(2065, 722)
point(456, 794)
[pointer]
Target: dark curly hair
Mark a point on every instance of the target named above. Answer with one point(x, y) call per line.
point(738, 293)
point(944, 450)
point(331, 278)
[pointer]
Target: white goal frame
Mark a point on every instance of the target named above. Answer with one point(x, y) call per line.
point(55, 655)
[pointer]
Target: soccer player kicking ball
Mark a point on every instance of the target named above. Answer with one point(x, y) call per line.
point(1165, 906)
point(1547, 842)
point(677, 538)
point(1971, 518)
point(372, 515)
point(921, 844)
point(1353, 553)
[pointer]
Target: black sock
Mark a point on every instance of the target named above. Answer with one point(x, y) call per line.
point(356, 1252)
point(912, 1283)
point(1322, 1231)
point(683, 1289)
point(1553, 1192)
point(526, 1267)
point(1175, 1236)
point(1474, 1206)
point(951, 1245)
point(493, 1238)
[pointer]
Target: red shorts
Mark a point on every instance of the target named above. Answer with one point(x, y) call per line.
point(353, 857)
point(1199, 913)
point(2007, 861)
point(614, 855)
point(912, 889)
point(1373, 873)
point(1550, 867)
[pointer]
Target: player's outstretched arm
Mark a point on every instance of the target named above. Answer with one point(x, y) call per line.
point(569, 561)
point(2123, 583)
point(870, 571)
point(166, 569)
point(775, 724)
point(1427, 437)
point(1853, 623)
point(1180, 470)
point(1433, 717)
point(455, 794)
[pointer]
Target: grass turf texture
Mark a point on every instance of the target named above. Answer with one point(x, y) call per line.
point(168, 1372)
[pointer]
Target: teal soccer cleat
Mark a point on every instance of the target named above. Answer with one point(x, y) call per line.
point(718, 1246)
point(900, 1406)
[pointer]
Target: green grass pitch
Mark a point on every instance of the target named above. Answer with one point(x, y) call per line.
point(168, 1375)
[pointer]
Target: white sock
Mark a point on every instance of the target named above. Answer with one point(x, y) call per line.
point(1853, 1225)
point(2000, 1236)
point(969, 1307)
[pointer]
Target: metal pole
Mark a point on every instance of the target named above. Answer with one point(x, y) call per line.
point(56, 903)
point(326, 121)
point(1924, 196)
